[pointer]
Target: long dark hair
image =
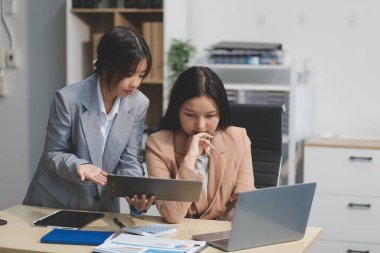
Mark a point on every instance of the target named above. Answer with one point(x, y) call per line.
point(120, 50)
point(193, 82)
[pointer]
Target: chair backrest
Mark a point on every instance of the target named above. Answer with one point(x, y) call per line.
point(263, 124)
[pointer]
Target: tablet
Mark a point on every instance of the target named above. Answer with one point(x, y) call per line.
point(68, 219)
point(163, 189)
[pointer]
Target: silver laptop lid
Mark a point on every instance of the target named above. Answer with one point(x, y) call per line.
point(271, 215)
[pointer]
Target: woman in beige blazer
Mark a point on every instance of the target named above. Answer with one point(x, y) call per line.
point(196, 142)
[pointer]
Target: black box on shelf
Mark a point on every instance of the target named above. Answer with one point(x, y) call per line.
point(90, 3)
point(143, 4)
point(148, 3)
point(85, 3)
point(130, 3)
point(77, 3)
point(117, 3)
point(155, 3)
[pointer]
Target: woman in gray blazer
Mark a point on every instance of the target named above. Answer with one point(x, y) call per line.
point(95, 128)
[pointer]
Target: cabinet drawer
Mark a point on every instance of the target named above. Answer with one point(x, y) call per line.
point(342, 221)
point(323, 246)
point(343, 170)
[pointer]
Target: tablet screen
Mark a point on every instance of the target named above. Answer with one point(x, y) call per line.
point(68, 219)
point(163, 189)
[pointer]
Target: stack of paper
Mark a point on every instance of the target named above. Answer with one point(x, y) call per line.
point(134, 243)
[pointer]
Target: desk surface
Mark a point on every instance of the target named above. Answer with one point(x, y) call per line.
point(19, 236)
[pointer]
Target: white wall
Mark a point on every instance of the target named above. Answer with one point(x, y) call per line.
point(38, 29)
point(175, 20)
point(14, 117)
point(338, 39)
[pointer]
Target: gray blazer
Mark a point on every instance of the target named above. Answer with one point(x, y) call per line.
point(73, 138)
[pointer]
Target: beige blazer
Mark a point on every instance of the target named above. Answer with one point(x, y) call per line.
point(229, 172)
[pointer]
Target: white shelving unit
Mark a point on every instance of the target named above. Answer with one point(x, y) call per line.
point(274, 84)
point(347, 199)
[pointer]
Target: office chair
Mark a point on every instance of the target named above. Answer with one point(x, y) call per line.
point(264, 128)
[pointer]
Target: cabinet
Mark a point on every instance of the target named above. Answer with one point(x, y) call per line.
point(347, 200)
point(84, 27)
point(273, 84)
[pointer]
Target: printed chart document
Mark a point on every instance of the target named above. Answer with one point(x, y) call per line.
point(134, 243)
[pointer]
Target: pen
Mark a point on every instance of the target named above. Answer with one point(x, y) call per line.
point(118, 223)
point(3, 222)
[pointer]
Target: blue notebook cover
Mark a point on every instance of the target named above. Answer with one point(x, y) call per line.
point(76, 237)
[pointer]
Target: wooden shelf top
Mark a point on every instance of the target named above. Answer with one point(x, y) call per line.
point(116, 10)
point(343, 143)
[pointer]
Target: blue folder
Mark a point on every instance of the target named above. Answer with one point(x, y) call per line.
point(76, 237)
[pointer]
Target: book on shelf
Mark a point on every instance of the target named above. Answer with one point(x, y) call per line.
point(147, 33)
point(158, 48)
point(135, 243)
point(152, 32)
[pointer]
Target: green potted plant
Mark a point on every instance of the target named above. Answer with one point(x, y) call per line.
point(179, 54)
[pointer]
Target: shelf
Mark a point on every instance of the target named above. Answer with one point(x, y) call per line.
point(85, 26)
point(247, 66)
point(261, 87)
point(115, 10)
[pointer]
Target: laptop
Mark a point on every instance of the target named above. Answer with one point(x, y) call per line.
point(266, 216)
